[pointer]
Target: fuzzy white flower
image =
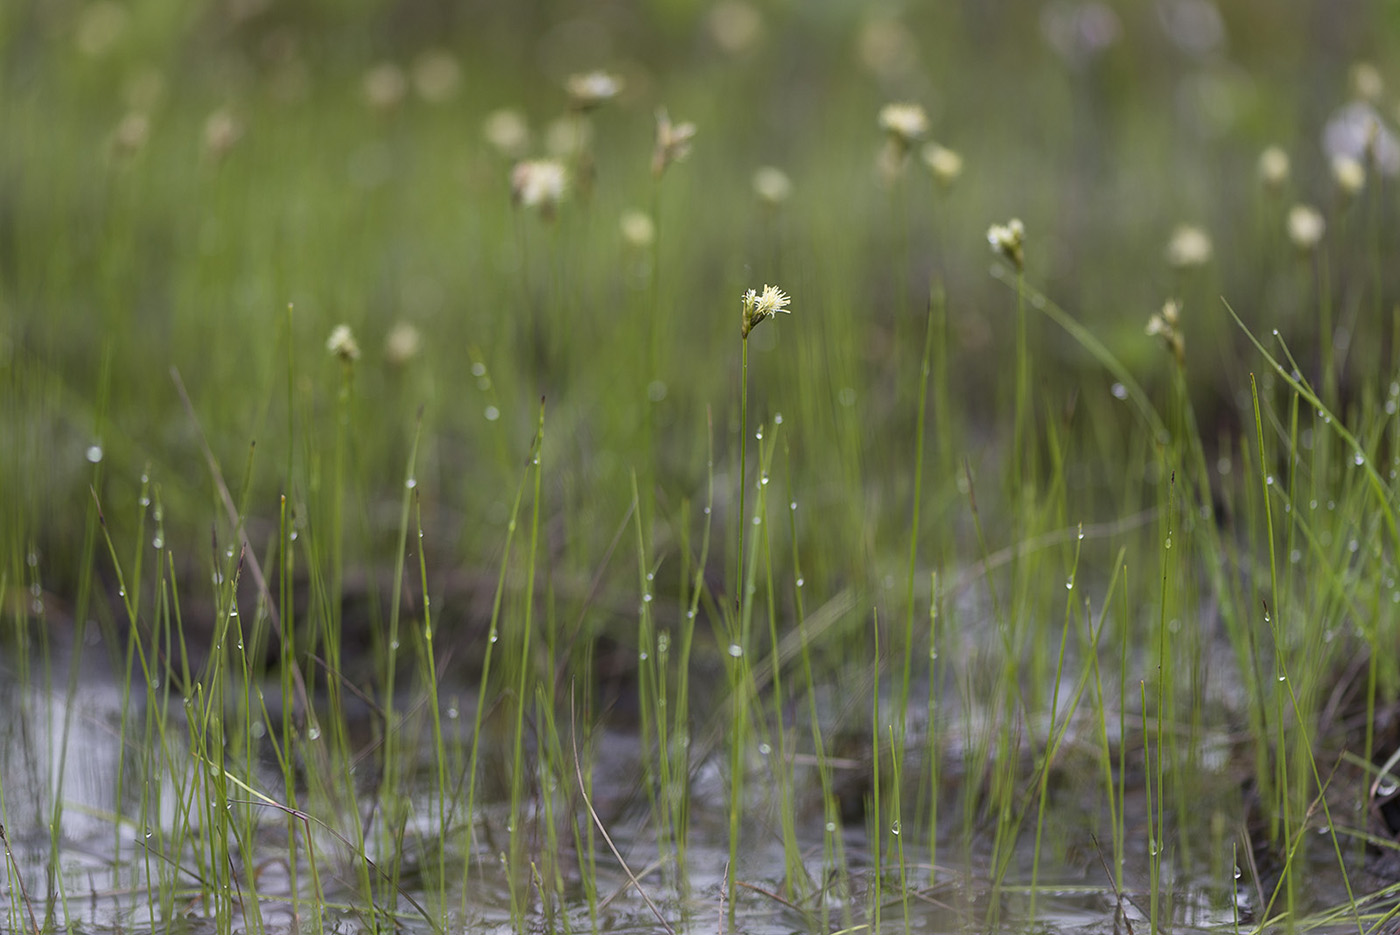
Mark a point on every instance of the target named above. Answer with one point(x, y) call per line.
point(1189, 246)
point(1305, 226)
point(638, 229)
point(342, 344)
point(539, 183)
point(402, 343)
point(672, 142)
point(1008, 240)
point(945, 164)
point(507, 131)
point(587, 91)
point(1349, 174)
point(384, 86)
point(905, 123)
point(762, 305)
point(1273, 167)
point(772, 186)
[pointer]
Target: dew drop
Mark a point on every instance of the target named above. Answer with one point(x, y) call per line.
point(478, 369)
point(94, 453)
point(1119, 391)
point(764, 749)
point(1358, 459)
point(801, 582)
point(736, 650)
point(411, 483)
point(894, 828)
point(492, 413)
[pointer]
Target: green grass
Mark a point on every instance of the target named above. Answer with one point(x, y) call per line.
point(656, 653)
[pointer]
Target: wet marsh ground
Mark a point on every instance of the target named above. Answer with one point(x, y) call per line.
point(699, 467)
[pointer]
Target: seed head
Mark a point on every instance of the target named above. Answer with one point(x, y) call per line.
point(540, 184)
point(507, 132)
point(1009, 241)
point(402, 344)
point(222, 131)
point(592, 89)
point(1366, 82)
point(945, 164)
point(1189, 247)
point(1273, 167)
point(436, 76)
point(1166, 324)
point(906, 124)
point(384, 86)
point(638, 229)
point(342, 344)
point(1305, 226)
point(672, 142)
point(772, 186)
point(1349, 174)
point(761, 305)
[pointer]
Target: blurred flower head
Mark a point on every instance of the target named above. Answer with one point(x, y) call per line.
point(637, 228)
point(342, 344)
point(222, 131)
point(1349, 174)
point(507, 132)
point(131, 133)
point(736, 26)
point(1366, 82)
point(905, 124)
point(436, 76)
point(772, 186)
point(384, 86)
point(1009, 241)
point(945, 164)
point(758, 306)
point(1166, 324)
point(1273, 167)
point(672, 142)
point(1189, 247)
point(539, 184)
point(1358, 132)
point(402, 343)
point(1305, 226)
point(592, 89)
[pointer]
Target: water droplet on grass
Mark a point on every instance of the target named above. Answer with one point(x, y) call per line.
point(1119, 391)
point(736, 650)
point(492, 413)
point(94, 453)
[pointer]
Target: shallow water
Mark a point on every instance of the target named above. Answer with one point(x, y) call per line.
point(106, 856)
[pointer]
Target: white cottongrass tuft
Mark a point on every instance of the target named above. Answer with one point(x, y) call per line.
point(1189, 247)
point(758, 306)
point(342, 344)
point(1009, 241)
point(539, 184)
point(772, 186)
point(1305, 226)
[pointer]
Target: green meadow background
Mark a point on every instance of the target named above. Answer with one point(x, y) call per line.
point(956, 546)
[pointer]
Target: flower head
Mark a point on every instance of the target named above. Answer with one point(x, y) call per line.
point(539, 183)
point(507, 131)
point(587, 91)
point(945, 164)
point(1190, 246)
point(1305, 226)
point(672, 142)
point(402, 344)
point(384, 86)
point(638, 229)
point(772, 186)
point(1166, 324)
point(1349, 174)
point(761, 305)
point(906, 124)
point(1009, 240)
point(342, 344)
point(1273, 167)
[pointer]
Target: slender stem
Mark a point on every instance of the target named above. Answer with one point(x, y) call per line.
point(743, 470)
